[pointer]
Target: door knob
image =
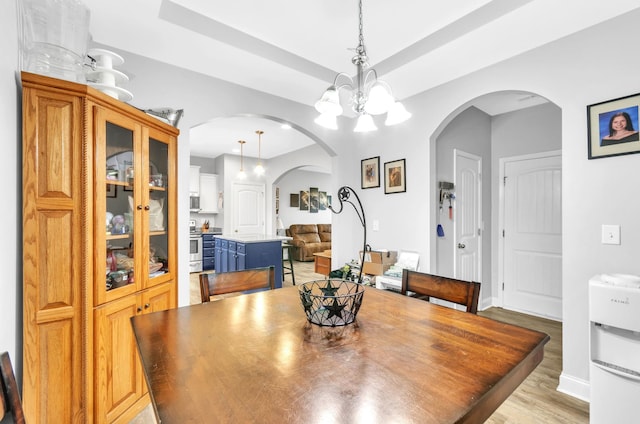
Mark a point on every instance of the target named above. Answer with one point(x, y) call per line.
point(461, 246)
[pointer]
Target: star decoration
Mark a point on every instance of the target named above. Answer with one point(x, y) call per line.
point(306, 299)
point(335, 309)
point(329, 290)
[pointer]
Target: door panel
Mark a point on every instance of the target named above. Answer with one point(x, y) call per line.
point(467, 245)
point(533, 236)
point(248, 208)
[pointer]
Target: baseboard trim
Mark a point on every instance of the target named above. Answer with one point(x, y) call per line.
point(573, 386)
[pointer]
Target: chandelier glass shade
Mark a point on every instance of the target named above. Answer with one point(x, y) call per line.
point(369, 95)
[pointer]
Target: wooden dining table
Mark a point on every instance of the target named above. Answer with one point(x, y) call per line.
point(255, 359)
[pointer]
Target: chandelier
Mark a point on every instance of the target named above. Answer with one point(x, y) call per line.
point(369, 95)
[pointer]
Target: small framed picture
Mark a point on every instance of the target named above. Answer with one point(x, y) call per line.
point(613, 127)
point(370, 172)
point(395, 177)
point(294, 200)
point(112, 190)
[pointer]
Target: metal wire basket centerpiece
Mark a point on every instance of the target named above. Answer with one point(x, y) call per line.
point(331, 302)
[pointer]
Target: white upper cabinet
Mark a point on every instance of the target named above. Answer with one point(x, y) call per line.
point(208, 193)
point(194, 181)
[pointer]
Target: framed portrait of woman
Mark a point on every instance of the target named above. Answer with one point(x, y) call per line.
point(395, 177)
point(614, 127)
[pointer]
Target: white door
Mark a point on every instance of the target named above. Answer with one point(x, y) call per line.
point(468, 216)
point(532, 235)
point(248, 212)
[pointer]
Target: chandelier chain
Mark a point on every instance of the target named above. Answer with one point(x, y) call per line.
point(360, 49)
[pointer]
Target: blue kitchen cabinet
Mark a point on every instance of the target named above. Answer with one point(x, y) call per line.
point(224, 255)
point(208, 252)
point(217, 243)
point(235, 255)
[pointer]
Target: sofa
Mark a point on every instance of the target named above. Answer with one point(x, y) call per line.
point(308, 239)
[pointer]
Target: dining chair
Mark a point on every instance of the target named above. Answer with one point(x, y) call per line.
point(461, 292)
point(10, 399)
point(236, 281)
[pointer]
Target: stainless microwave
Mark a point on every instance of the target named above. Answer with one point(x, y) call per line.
point(194, 203)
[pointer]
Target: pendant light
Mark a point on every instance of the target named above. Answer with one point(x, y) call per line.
point(242, 175)
point(259, 169)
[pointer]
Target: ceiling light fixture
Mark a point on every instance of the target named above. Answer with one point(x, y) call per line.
point(259, 169)
point(242, 175)
point(370, 95)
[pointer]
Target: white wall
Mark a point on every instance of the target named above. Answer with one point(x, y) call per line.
point(294, 182)
point(11, 177)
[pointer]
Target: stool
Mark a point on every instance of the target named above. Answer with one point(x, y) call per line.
point(287, 269)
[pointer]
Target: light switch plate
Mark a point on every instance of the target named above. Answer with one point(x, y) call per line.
point(610, 234)
point(376, 225)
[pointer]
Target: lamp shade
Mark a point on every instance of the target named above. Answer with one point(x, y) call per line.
point(327, 121)
point(397, 114)
point(379, 100)
point(365, 124)
point(329, 103)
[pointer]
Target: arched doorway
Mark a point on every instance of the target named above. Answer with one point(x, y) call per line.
point(494, 127)
point(282, 146)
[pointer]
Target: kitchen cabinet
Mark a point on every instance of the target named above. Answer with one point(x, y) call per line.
point(194, 180)
point(100, 205)
point(208, 252)
point(239, 253)
point(208, 193)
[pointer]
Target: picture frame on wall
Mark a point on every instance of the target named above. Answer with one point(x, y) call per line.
point(322, 200)
point(112, 190)
point(395, 176)
point(370, 172)
point(294, 200)
point(304, 200)
point(313, 199)
point(613, 127)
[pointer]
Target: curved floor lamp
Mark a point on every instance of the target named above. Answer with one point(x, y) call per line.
point(343, 195)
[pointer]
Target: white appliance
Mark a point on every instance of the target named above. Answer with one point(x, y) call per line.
point(195, 252)
point(614, 315)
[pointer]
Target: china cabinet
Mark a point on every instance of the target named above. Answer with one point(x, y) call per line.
point(99, 228)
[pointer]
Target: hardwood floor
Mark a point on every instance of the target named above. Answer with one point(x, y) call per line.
point(535, 401)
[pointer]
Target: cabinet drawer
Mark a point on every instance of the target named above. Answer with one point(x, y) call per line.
point(218, 242)
point(207, 264)
point(207, 237)
point(224, 243)
point(240, 248)
point(207, 244)
point(208, 252)
point(232, 246)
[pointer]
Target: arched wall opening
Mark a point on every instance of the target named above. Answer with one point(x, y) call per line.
point(286, 147)
point(529, 129)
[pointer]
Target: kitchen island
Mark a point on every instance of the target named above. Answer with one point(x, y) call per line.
point(245, 251)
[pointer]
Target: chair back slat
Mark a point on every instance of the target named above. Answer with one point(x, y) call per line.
point(10, 395)
point(236, 281)
point(465, 293)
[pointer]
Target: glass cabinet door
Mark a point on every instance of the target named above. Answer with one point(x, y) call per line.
point(117, 163)
point(157, 206)
point(134, 206)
